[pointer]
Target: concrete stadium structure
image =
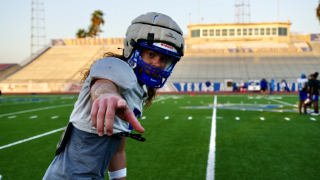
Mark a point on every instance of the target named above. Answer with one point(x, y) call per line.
point(242, 52)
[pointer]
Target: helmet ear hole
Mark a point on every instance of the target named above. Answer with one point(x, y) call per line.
point(132, 43)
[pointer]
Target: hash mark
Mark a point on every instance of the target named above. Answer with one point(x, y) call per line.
point(313, 119)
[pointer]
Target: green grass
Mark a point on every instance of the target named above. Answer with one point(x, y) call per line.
point(177, 147)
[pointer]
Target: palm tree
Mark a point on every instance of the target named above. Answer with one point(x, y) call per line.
point(81, 33)
point(318, 11)
point(92, 31)
point(96, 20)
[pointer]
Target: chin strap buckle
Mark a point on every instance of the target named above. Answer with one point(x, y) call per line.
point(133, 136)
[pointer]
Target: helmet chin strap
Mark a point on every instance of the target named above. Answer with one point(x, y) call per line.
point(149, 80)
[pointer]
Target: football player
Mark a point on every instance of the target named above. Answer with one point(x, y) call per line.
point(114, 91)
point(303, 90)
point(264, 86)
point(314, 92)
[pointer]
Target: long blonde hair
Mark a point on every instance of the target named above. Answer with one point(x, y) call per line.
point(151, 92)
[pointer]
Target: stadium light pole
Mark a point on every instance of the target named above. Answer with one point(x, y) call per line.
point(38, 29)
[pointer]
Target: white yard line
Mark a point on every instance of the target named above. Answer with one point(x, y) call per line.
point(212, 147)
point(281, 102)
point(162, 98)
point(34, 137)
point(32, 110)
point(32, 102)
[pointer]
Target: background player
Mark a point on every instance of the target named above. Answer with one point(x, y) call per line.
point(112, 96)
point(314, 92)
point(303, 90)
point(264, 86)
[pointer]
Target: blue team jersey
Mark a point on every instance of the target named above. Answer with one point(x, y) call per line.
point(264, 84)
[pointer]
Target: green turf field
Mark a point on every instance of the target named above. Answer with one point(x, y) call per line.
point(256, 138)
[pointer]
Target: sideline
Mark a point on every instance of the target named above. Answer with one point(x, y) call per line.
point(212, 147)
point(38, 109)
point(34, 137)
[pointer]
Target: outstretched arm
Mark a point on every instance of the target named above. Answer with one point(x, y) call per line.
point(107, 103)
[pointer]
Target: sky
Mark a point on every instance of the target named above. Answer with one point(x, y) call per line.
point(64, 17)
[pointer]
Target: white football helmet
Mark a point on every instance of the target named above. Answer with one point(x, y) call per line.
point(160, 33)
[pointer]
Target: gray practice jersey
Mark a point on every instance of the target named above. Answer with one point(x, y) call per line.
point(123, 76)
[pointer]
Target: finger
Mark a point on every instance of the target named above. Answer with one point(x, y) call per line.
point(132, 120)
point(122, 103)
point(100, 116)
point(94, 111)
point(109, 118)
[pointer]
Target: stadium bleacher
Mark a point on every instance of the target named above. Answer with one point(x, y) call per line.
point(244, 67)
point(7, 69)
point(301, 45)
point(215, 46)
point(265, 45)
point(60, 64)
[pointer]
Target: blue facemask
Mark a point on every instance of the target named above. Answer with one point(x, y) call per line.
point(159, 77)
